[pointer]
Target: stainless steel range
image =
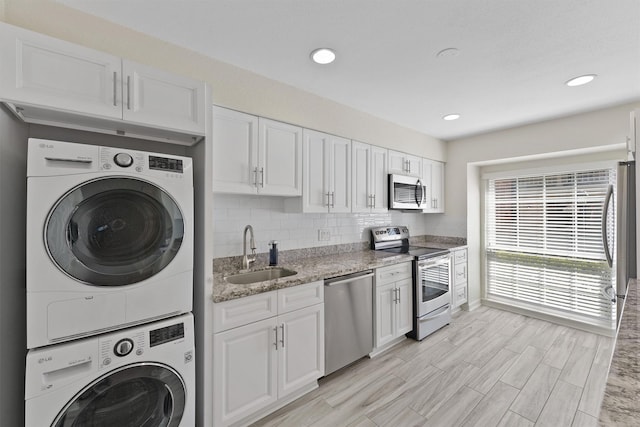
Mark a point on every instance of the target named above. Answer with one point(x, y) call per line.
point(431, 278)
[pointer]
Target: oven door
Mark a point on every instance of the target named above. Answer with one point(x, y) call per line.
point(432, 284)
point(406, 193)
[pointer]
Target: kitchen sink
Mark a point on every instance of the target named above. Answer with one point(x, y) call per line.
point(259, 276)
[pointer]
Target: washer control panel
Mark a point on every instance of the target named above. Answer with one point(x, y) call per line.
point(121, 346)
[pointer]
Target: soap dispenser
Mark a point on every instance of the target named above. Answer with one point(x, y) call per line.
point(273, 252)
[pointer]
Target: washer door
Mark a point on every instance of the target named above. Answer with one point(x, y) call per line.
point(114, 231)
point(138, 395)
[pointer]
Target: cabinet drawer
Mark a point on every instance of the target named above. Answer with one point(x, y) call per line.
point(460, 295)
point(460, 272)
point(242, 311)
point(296, 297)
point(460, 255)
point(393, 273)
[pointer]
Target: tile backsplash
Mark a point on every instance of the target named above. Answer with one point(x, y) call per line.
point(266, 214)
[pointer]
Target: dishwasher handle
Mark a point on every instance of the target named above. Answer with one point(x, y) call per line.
point(348, 278)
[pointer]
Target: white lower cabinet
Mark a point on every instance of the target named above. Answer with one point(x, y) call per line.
point(394, 304)
point(260, 363)
point(459, 277)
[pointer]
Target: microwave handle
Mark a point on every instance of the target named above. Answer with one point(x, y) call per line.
point(418, 198)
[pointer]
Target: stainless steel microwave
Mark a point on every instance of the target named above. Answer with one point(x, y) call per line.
point(407, 192)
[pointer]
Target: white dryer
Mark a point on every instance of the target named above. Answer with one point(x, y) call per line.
point(109, 239)
point(141, 376)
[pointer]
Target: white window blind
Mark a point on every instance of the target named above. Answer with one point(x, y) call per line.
point(544, 248)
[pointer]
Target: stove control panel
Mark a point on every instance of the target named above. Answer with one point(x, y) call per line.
point(389, 233)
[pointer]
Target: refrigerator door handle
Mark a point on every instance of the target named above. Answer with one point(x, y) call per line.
point(605, 237)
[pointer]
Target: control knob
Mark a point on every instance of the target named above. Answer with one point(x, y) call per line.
point(123, 160)
point(123, 347)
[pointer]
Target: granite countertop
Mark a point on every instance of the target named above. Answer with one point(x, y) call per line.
point(621, 403)
point(354, 258)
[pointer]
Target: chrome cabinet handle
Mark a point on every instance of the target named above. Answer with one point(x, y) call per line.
point(276, 331)
point(115, 76)
point(128, 92)
point(328, 199)
point(333, 199)
point(282, 339)
point(373, 205)
point(262, 177)
point(255, 176)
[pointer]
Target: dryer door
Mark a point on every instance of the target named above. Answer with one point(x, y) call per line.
point(138, 395)
point(114, 231)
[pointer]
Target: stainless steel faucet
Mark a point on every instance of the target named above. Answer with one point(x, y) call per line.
point(247, 261)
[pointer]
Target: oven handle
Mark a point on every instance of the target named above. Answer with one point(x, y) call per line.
point(434, 262)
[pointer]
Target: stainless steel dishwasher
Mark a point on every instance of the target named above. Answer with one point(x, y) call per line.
point(348, 324)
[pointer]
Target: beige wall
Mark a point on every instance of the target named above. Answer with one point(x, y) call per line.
point(598, 135)
point(550, 138)
point(232, 87)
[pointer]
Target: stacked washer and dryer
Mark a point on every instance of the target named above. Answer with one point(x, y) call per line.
point(110, 333)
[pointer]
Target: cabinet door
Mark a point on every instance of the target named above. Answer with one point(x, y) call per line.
point(361, 199)
point(235, 151)
point(315, 194)
point(279, 159)
point(378, 181)
point(340, 174)
point(385, 314)
point(397, 162)
point(437, 186)
point(244, 369)
point(426, 179)
point(44, 71)
point(301, 348)
point(404, 306)
point(414, 164)
point(162, 100)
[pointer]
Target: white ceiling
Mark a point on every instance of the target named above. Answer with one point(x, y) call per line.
point(514, 55)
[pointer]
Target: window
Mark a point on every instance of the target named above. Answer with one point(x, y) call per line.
point(543, 244)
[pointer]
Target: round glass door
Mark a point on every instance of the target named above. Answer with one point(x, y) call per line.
point(139, 395)
point(114, 231)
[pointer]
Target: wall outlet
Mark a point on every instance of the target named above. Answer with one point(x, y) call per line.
point(324, 235)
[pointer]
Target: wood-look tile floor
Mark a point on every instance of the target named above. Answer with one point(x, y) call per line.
point(487, 368)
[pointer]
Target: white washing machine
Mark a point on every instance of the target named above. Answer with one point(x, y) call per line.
point(109, 239)
point(141, 376)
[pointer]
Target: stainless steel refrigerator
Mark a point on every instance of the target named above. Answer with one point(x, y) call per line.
point(625, 231)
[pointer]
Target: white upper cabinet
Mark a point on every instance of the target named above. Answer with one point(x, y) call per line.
point(157, 98)
point(327, 173)
point(405, 164)
point(235, 151)
point(369, 178)
point(279, 158)
point(47, 72)
point(255, 155)
point(434, 180)
point(50, 81)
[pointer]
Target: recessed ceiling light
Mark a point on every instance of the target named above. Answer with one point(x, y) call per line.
point(451, 117)
point(582, 80)
point(323, 56)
